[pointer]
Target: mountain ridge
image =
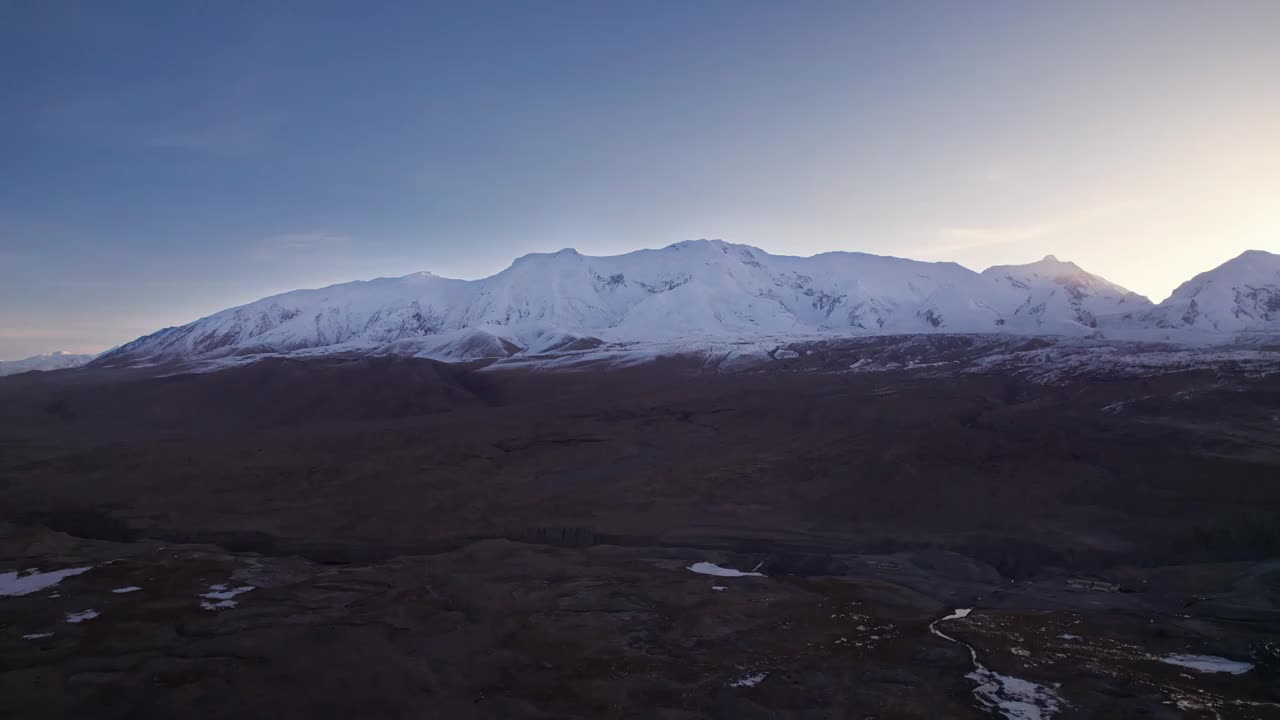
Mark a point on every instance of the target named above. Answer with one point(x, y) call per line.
point(709, 289)
point(57, 360)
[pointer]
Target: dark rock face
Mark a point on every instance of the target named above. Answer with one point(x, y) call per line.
point(1192, 314)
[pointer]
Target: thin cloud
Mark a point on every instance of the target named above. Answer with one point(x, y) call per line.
point(962, 238)
point(972, 238)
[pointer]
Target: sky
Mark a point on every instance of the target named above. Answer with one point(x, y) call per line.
point(161, 161)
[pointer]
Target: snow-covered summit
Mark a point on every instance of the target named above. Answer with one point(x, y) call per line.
point(698, 290)
point(1240, 295)
point(53, 361)
point(1060, 293)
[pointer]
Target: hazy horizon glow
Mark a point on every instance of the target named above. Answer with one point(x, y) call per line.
point(163, 161)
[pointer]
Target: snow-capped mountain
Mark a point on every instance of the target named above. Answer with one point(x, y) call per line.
point(1241, 295)
point(1060, 293)
point(698, 290)
point(53, 361)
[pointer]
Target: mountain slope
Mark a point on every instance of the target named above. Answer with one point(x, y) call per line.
point(1241, 295)
point(1061, 293)
point(700, 289)
point(53, 361)
point(695, 291)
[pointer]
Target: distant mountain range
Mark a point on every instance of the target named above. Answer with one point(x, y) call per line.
point(713, 290)
point(52, 361)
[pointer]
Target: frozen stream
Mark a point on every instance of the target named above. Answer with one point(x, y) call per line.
point(1012, 697)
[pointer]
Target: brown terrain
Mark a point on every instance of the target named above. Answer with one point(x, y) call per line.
point(432, 540)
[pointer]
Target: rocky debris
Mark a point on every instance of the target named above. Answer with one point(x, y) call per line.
point(497, 628)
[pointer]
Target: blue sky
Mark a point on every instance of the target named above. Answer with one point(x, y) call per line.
point(162, 161)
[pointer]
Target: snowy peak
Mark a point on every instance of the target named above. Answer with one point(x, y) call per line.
point(695, 291)
point(1240, 295)
point(1066, 274)
point(53, 361)
point(1062, 293)
point(1250, 266)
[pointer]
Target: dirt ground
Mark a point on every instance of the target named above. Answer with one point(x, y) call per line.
point(430, 540)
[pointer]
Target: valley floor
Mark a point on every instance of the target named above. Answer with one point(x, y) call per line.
point(386, 537)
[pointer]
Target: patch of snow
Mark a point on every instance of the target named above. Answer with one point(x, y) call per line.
point(25, 582)
point(749, 680)
point(223, 595)
point(719, 588)
point(221, 592)
point(37, 636)
point(706, 568)
point(957, 613)
point(740, 359)
point(81, 616)
point(1069, 636)
point(1014, 698)
point(129, 589)
point(1208, 664)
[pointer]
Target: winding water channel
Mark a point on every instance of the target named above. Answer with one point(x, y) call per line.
point(1011, 697)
